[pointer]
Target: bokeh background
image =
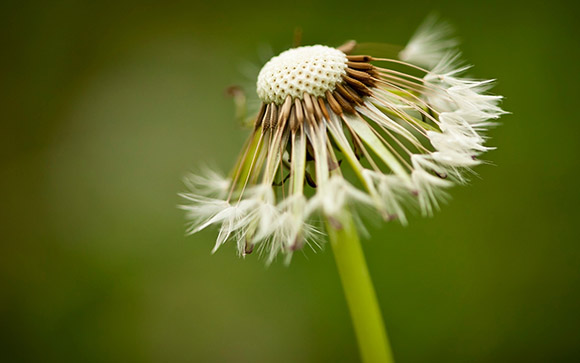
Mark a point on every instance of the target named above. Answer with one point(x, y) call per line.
point(106, 105)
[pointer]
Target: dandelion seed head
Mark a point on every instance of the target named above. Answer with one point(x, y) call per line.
point(313, 69)
point(406, 133)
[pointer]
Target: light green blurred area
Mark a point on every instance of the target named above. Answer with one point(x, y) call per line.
point(105, 106)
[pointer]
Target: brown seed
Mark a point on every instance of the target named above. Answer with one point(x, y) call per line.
point(317, 110)
point(360, 65)
point(333, 103)
point(346, 106)
point(364, 77)
point(322, 105)
point(359, 58)
point(299, 111)
point(273, 119)
point(285, 110)
point(258, 121)
point(309, 108)
point(266, 118)
point(373, 73)
point(308, 103)
point(360, 87)
point(351, 97)
point(357, 95)
point(292, 120)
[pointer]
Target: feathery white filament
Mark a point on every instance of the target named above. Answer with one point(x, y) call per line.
point(429, 44)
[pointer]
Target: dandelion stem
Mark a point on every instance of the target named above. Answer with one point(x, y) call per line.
point(359, 291)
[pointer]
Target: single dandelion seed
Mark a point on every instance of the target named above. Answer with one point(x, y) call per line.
point(338, 129)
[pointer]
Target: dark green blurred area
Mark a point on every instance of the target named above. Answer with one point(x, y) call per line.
point(105, 106)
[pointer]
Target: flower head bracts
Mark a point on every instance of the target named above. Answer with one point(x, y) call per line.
point(338, 130)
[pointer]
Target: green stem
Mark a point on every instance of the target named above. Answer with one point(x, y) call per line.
point(359, 291)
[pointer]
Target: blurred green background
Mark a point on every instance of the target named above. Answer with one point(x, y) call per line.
point(106, 105)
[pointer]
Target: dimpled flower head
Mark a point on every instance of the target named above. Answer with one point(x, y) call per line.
point(339, 129)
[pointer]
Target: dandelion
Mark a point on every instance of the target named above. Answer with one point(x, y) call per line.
point(406, 134)
point(339, 130)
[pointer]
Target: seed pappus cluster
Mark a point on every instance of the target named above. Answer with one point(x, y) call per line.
point(338, 130)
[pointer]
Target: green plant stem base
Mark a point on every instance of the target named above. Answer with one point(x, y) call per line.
point(359, 291)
